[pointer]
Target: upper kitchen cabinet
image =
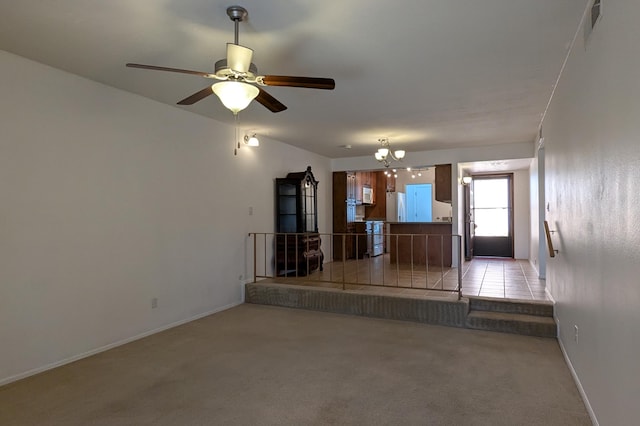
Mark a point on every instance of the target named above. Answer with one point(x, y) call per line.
point(359, 187)
point(344, 214)
point(378, 207)
point(365, 180)
point(443, 183)
point(349, 185)
point(344, 202)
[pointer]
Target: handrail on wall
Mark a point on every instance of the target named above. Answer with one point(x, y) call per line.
point(552, 251)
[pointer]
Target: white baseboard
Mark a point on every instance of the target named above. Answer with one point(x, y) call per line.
point(583, 395)
point(534, 266)
point(74, 358)
point(549, 295)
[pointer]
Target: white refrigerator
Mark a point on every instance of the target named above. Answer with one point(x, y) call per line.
point(396, 207)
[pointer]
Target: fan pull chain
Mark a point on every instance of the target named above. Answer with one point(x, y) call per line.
point(236, 144)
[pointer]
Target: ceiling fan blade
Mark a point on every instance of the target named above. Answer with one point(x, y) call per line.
point(198, 96)
point(271, 103)
point(155, 68)
point(308, 82)
point(238, 57)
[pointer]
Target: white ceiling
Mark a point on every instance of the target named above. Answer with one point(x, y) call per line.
point(480, 167)
point(428, 74)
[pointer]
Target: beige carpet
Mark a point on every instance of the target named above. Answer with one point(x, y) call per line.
point(264, 365)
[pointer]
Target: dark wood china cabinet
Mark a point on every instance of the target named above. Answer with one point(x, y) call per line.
point(298, 250)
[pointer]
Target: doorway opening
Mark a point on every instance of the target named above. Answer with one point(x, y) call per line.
point(493, 215)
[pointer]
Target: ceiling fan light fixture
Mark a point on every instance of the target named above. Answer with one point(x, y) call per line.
point(235, 95)
point(239, 74)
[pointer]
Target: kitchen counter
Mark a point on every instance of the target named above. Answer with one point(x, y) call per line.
point(435, 247)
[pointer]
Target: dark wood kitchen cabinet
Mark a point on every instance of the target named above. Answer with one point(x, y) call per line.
point(344, 215)
point(298, 251)
point(364, 179)
point(351, 185)
point(378, 207)
point(443, 183)
point(359, 186)
point(420, 243)
point(360, 239)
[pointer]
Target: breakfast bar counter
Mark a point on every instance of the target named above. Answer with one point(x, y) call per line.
point(431, 241)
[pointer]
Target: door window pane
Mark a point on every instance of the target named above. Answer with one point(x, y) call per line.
point(491, 193)
point(492, 223)
point(491, 207)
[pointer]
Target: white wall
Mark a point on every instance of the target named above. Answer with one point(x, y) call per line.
point(521, 214)
point(108, 200)
point(592, 167)
point(534, 240)
point(538, 244)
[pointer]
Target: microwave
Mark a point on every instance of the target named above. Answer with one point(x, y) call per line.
point(367, 195)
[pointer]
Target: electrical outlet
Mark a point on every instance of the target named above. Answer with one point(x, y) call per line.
point(575, 333)
point(250, 211)
point(154, 303)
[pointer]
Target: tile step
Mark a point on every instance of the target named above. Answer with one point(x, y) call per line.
point(514, 306)
point(531, 325)
point(433, 310)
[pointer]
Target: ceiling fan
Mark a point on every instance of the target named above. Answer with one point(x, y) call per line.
point(238, 75)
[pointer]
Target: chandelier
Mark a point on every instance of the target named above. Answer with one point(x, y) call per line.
point(385, 154)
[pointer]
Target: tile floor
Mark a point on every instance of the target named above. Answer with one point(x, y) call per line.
point(502, 278)
point(485, 277)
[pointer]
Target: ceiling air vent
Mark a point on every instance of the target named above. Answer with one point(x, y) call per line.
point(594, 15)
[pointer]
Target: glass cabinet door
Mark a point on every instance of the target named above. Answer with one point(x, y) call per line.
point(296, 203)
point(309, 206)
point(287, 207)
